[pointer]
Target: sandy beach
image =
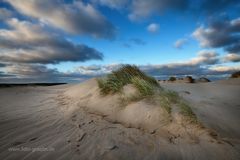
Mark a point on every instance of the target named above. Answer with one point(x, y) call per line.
point(119, 80)
point(51, 123)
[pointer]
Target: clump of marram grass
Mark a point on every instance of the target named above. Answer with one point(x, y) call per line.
point(148, 88)
point(165, 103)
point(144, 87)
point(172, 96)
point(186, 111)
point(127, 74)
point(109, 85)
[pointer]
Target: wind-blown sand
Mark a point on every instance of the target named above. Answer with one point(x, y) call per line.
point(75, 122)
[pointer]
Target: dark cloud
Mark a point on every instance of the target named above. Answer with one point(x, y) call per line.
point(234, 48)
point(231, 57)
point(220, 33)
point(213, 6)
point(143, 8)
point(31, 43)
point(76, 17)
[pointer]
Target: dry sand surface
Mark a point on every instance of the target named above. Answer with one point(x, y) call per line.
point(76, 122)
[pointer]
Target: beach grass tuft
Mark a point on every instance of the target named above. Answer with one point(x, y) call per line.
point(186, 111)
point(147, 87)
point(127, 74)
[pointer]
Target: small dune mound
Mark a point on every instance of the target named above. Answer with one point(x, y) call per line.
point(130, 97)
point(235, 74)
point(172, 79)
point(202, 80)
point(188, 79)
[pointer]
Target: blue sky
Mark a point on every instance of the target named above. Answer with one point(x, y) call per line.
point(73, 40)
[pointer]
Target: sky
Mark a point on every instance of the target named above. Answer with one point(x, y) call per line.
point(74, 40)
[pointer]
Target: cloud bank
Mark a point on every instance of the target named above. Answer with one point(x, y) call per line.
point(220, 33)
point(207, 63)
point(76, 17)
point(26, 42)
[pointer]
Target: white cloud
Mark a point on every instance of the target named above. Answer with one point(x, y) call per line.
point(180, 42)
point(153, 27)
point(76, 18)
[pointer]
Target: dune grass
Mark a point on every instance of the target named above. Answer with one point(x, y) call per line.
point(127, 74)
point(148, 88)
point(109, 85)
point(144, 87)
point(165, 103)
point(172, 96)
point(186, 111)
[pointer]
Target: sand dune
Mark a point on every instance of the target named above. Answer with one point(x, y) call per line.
point(76, 122)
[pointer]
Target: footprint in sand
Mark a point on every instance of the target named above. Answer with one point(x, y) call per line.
point(33, 139)
point(186, 92)
point(81, 137)
point(17, 143)
point(74, 118)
